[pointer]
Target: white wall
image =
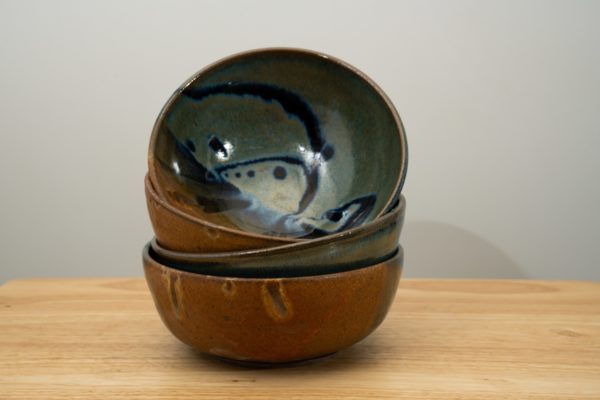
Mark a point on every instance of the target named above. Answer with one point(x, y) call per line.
point(500, 100)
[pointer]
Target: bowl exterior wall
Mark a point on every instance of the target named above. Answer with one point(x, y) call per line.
point(177, 231)
point(357, 248)
point(273, 320)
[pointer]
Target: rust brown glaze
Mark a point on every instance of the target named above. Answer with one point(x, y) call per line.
point(179, 231)
point(273, 320)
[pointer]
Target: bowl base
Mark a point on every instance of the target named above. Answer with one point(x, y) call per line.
point(267, 365)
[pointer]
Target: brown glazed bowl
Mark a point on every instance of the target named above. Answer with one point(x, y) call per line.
point(272, 320)
point(180, 231)
point(355, 248)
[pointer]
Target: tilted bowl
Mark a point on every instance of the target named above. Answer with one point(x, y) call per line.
point(279, 142)
point(351, 249)
point(272, 320)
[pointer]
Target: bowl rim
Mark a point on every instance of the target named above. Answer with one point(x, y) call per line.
point(292, 50)
point(198, 257)
point(397, 254)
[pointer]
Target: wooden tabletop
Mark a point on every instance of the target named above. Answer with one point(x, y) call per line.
point(443, 339)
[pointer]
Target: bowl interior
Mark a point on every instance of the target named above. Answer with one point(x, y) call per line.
point(279, 142)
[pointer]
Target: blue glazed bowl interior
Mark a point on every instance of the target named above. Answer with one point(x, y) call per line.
point(280, 143)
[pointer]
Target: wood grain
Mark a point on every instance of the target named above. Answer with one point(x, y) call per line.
point(443, 339)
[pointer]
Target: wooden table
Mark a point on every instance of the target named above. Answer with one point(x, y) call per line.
point(443, 339)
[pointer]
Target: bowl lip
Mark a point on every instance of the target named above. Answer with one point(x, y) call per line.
point(188, 257)
point(398, 254)
point(291, 50)
point(153, 192)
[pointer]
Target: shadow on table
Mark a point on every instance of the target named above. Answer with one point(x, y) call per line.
point(357, 356)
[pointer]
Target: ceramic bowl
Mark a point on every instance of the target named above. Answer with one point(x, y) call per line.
point(180, 231)
point(272, 320)
point(279, 142)
point(354, 248)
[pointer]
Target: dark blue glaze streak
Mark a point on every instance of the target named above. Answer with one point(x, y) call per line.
point(292, 104)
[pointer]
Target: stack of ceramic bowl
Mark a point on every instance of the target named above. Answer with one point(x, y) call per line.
point(274, 191)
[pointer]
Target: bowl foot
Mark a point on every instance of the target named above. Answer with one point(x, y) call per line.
point(266, 365)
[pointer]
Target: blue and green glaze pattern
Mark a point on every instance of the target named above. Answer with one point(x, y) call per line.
point(279, 142)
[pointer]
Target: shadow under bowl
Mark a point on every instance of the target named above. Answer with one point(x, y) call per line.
point(355, 248)
point(268, 320)
point(279, 142)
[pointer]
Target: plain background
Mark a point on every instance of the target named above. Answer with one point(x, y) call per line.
point(501, 102)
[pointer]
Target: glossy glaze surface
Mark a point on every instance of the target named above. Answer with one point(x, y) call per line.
point(279, 142)
point(272, 320)
point(355, 248)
